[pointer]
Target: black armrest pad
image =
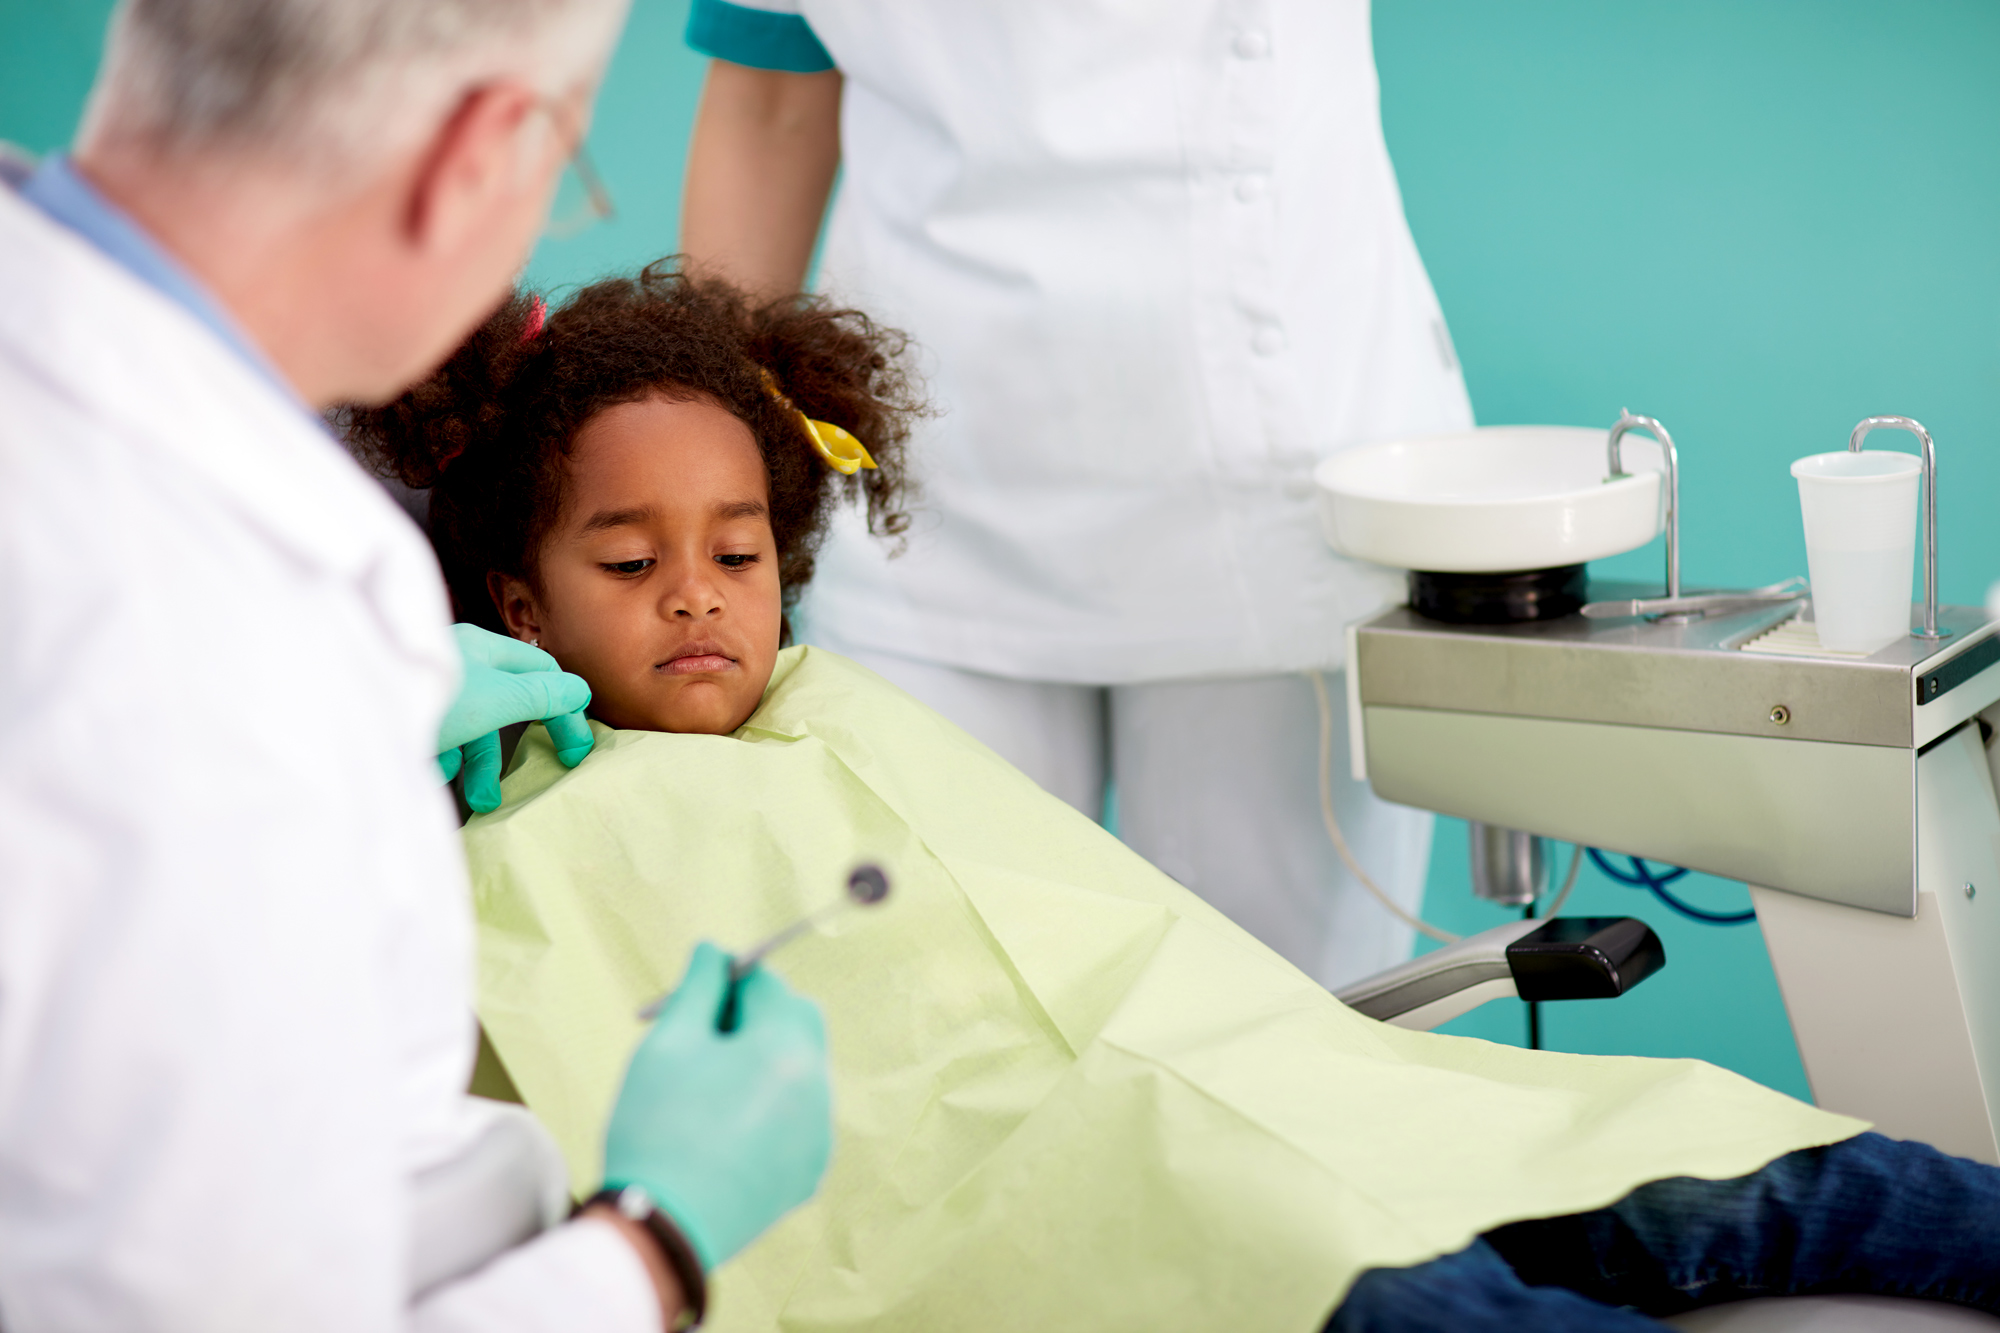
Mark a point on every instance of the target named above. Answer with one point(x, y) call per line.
point(1584, 958)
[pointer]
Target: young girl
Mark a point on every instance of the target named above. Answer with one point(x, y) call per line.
point(639, 482)
point(1069, 1095)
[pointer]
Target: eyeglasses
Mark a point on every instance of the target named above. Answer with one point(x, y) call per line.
point(581, 200)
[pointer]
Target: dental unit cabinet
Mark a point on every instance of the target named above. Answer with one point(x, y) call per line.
point(1854, 795)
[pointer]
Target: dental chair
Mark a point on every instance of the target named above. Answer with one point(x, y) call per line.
point(509, 1182)
point(1577, 958)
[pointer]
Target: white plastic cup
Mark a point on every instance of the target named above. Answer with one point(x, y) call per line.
point(1861, 544)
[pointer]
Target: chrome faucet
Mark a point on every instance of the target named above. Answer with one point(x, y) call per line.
point(1627, 422)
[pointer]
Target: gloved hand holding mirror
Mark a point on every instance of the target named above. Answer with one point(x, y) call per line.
point(726, 1132)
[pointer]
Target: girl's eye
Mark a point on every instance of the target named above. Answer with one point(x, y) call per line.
point(630, 567)
point(735, 561)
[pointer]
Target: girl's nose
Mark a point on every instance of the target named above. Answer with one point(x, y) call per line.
point(693, 597)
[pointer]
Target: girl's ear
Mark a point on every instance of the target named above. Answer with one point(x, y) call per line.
point(515, 601)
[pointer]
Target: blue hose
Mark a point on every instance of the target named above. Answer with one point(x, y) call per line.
point(1642, 876)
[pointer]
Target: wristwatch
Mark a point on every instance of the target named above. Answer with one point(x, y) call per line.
point(636, 1203)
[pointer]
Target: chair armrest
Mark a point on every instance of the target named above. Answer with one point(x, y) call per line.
point(1564, 958)
point(1442, 984)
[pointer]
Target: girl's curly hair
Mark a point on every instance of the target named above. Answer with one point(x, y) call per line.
point(489, 434)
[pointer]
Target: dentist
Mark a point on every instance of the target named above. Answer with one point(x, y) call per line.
point(235, 940)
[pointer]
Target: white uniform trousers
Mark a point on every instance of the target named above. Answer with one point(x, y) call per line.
point(1216, 783)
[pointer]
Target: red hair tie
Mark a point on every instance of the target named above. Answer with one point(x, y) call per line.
point(538, 316)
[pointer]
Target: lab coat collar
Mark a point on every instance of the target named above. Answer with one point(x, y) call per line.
point(139, 365)
point(60, 190)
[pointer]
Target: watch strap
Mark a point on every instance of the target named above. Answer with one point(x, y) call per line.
point(636, 1203)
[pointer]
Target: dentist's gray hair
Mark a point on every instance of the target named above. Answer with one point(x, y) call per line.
point(327, 83)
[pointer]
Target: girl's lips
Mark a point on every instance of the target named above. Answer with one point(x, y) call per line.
point(697, 664)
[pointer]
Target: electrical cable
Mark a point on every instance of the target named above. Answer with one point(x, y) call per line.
point(1569, 884)
point(1394, 908)
point(1636, 877)
point(1569, 880)
point(1642, 876)
point(1689, 910)
point(1535, 1006)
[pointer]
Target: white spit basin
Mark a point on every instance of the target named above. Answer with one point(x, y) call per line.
point(1490, 500)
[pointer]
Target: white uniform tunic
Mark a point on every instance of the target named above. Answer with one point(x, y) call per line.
point(234, 926)
point(1157, 259)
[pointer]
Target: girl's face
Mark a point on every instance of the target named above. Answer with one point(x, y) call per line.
point(659, 581)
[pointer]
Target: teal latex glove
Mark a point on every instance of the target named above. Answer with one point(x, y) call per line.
point(507, 681)
point(728, 1131)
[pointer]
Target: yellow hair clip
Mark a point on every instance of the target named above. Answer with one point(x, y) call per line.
point(842, 452)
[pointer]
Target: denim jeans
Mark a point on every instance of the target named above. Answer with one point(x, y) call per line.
point(1866, 1215)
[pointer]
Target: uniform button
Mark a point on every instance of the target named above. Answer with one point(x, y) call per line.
point(1252, 44)
point(1250, 189)
point(1268, 341)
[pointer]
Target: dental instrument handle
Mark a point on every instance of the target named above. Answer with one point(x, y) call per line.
point(1716, 603)
point(744, 963)
point(866, 886)
point(1930, 629)
point(1629, 422)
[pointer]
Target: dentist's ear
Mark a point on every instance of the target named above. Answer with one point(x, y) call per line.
point(496, 147)
point(519, 610)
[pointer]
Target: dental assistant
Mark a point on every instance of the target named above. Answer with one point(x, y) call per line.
point(235, 935)
point(1157, 262)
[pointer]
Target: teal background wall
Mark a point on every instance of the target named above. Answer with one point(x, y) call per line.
point(1758, 220)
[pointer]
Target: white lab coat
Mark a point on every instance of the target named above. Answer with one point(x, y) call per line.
point(1156, 257)
point(235, 935)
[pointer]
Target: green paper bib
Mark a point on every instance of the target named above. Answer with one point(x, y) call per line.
point(1069, 1094)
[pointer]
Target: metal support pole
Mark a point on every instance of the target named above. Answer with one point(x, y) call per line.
point(1930, 629)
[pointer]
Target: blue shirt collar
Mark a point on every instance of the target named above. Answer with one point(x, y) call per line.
point(61, 192)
